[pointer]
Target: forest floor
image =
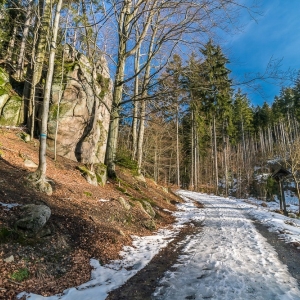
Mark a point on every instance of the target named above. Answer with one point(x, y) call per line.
point(86, 221)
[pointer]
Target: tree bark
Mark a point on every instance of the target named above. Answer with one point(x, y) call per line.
point(11, 44)
point(215, 155)
point(20, 64)
point(39, 60)
point(135, 105)
point(41, 171)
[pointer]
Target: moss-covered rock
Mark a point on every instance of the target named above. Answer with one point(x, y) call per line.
point(148, 208)
point(149, 224)
point(3, 100)
point(101, 173)
point(88, 175)
point(11, 111)
point(4, 77)
point(125, 204)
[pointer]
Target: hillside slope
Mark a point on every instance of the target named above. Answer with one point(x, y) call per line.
point(86, 221)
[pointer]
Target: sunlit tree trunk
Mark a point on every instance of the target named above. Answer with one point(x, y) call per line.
point(126, 16)
point(39, 61)
point(40, 174)
point(135, 105)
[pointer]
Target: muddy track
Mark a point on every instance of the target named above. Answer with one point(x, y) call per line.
point(143, 284)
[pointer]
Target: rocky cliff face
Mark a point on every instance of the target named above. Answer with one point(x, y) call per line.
point(79, 113)
point(79, 110)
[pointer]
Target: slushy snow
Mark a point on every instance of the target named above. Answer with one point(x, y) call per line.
point(228, 260)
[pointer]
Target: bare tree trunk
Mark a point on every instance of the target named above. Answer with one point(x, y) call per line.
point(215, 155)
point(39, 60)
point(20, 63)
point(141, 134)
point(177, 145)
point(125, 18)
point(192, 153)
point(40, 174)
point(135, 105)
point(195, 158)
point(143, 102)
point(11, 44)
point(298, 193)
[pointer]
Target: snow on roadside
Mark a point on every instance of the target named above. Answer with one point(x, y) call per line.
point(287, 228)
point(111, 276)
point(228, 260)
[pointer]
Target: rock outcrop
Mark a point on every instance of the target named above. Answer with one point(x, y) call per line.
point(79, 109)
point(79, 114)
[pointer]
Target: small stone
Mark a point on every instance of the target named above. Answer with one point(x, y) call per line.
point(30, 164)
point(264, 204)
point(150, 224)
point(120, 232)
point(9, 259)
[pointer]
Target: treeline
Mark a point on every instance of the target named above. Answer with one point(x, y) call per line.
point(205, 136)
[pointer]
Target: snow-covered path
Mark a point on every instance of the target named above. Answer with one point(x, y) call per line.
point(228, 260)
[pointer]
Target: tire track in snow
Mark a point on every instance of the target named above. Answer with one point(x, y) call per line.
point(228, 260)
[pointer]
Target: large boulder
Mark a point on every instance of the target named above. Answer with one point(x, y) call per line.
point(10, 102)
point(82, 111)
point(34, 217)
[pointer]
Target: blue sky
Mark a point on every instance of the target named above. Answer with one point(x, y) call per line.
point(275, 34)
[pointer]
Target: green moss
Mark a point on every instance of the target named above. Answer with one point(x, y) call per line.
point(103, 136)
point(101, 173)
point(20, 275)
point(63, 71)
point(84, 170)
point(123, 190)
point(16, 236)
point(123, 159)
point(104, 84)
point(11, 110)
point(88, 194)
point(2, 91)
point(4, 78)
point(63, 109)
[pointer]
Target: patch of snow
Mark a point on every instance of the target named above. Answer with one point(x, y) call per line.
point(9, 206)
point(103, 200)
point(274, 221)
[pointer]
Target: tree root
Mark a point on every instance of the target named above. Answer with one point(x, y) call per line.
point(40, 183)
